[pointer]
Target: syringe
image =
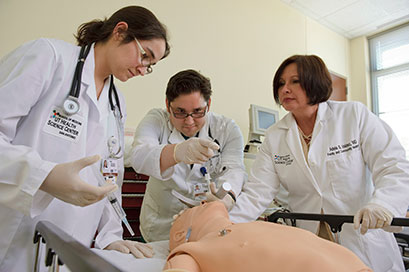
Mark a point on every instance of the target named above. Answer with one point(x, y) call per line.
point(119, 212)
point(115, 204)
point(206, 175)
point(224, 188)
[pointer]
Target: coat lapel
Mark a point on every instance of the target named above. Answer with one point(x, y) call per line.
point(294, 144)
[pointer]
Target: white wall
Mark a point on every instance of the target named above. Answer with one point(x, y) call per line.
point(360, 71)
point(237, 43)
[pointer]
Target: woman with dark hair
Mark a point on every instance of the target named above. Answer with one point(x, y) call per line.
point(59, 108)
point(319, 153)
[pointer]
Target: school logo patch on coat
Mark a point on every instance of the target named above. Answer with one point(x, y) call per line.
point(283, 159)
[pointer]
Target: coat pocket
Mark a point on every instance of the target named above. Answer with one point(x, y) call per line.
point(346, 176)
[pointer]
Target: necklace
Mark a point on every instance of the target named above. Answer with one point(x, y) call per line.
point(307, 138)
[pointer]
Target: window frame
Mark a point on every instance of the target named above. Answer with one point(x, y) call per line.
point(375, 74)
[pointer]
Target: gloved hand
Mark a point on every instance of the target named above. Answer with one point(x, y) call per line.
point(374, 216)
point(139, 250)
point(227, 200)
point(194, 150)
point(64, 183)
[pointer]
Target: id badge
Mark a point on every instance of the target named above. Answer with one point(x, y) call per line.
point(109, 170)
point(199, 191)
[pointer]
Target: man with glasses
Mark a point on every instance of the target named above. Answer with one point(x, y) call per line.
point(172, 144)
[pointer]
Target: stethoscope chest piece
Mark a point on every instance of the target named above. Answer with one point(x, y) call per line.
point(71, 105)
point(113, 143)
point(114, 147)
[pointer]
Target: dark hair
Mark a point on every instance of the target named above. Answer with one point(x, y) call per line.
point(142, 24)
point(186, 82)
point(313, 75)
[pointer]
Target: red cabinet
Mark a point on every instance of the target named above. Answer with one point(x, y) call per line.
point(133, 190)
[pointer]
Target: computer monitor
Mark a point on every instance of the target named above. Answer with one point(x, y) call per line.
point(261, 119)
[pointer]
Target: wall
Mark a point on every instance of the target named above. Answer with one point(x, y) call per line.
point(237, 43)
point(360, 71)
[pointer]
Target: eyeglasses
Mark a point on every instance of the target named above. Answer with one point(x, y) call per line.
point(198, 113)
point(145, 60)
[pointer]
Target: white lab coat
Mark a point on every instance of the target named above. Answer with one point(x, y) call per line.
point(159, 205)
point(33, 79)
point(347, 137)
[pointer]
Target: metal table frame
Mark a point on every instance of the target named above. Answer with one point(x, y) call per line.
point(64, 249)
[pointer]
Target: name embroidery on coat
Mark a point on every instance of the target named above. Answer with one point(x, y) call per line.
point(342, 148)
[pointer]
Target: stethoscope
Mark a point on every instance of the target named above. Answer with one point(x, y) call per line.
point(71, 104)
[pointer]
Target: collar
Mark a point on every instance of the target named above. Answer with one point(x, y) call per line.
point(324, 113)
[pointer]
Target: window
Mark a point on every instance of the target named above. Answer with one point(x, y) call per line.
point(389, 53)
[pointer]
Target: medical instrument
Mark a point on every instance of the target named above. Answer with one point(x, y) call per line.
point(185, 200)
point(223, 190)
point(115, 144)
point(213, 165)
point(189, 231)
point(120, 212)
point(206, 175)
point(71, 104)
point(224, 232)
point(115, 203)
point(116, 109)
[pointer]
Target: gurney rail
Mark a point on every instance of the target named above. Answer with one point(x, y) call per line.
point(334, 221)
point(69, 251)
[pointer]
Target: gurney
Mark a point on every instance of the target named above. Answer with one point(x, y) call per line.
point(64, 253)
point(336, 221)
point(63, 249)
point(403, 242)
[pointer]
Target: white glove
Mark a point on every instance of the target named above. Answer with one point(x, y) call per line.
point(227, 200)
point(139, 250)
point(64, 183)
point(194, 150)
point(374, 216)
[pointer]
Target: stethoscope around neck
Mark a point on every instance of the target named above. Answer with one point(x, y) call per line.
point(71, 104)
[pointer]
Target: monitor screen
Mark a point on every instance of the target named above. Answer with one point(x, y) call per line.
point(265, 119)
point(261, 118)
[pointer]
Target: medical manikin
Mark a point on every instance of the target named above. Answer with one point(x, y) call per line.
point(204, 239)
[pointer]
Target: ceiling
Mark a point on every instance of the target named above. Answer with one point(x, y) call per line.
point(354, 18)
